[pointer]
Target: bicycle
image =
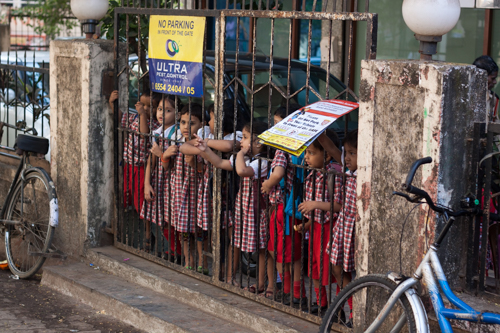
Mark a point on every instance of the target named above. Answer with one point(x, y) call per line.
point(29, 214)
point(375, 298)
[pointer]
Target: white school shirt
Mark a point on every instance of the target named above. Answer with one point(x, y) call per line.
point(254, 165)
point(174, 136)
point(204, 133)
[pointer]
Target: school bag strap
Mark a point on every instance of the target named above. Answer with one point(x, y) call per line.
point(294, 198)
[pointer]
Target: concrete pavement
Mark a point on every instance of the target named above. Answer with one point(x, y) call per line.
point(28, 307)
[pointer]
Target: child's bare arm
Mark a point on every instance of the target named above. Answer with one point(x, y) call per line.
point(156, 150)
point(241, 168)
point(188, 149)
point(149, 193)
point(330, 147)
point(224, 146)
point(144, 128)
point(336, 207)
point(112, 98)
point(212, 157)
point(167, 155)
point(274, 179)
point(308, 206)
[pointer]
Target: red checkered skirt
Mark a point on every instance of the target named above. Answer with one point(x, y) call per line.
point(185, 181)
point(245, 223)
point(153, 210)
point(205, 200)
point(342, 250)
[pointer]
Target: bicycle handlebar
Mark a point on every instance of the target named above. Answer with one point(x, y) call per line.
point(423, 194)
point(413, 169)
point(25, 130)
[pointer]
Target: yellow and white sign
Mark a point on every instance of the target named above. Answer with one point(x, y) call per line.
point(176, 54)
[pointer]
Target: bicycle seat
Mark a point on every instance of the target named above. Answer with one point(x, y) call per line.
point(33, 144)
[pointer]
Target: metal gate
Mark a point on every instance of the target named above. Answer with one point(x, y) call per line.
point(248, 75)
point(483, 273)
point(24, 77)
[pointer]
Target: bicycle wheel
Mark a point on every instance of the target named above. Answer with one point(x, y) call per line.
point(374, 291)
point(27, 241)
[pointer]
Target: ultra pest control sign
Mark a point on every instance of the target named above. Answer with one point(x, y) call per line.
point(176, 54)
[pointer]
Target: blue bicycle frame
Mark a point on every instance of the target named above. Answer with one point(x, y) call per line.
point(465, 312)
point(425, 270)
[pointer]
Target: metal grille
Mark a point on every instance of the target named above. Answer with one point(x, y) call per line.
point(483, 273)
point(24, 94)
point(246, 87)
point(24, 76)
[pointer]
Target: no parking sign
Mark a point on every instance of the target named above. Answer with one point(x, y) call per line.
point(176, 54)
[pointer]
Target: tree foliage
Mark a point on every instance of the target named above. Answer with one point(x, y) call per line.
point(49, 17)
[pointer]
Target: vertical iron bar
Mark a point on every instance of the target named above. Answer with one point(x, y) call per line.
point(486, 214)
point(220, 33)
point(472, 258)
point(116, 149)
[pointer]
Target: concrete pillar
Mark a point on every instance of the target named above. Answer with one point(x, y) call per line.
point(333, 37)
point(409, 110)
point(81, 142)
point(4, 37)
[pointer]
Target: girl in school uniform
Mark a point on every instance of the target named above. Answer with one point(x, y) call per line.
point(188, 174)
point(249, 226)
point(156, 208)
point(230, 141)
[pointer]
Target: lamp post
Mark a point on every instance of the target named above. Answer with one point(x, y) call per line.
point(430, 20)
point(89, 12)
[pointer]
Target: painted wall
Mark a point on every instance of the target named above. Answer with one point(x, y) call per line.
point(409, 110)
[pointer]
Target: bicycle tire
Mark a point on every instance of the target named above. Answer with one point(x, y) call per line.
point(26, 242)
point(383, 287)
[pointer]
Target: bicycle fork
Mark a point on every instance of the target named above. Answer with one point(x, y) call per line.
point(405, 287)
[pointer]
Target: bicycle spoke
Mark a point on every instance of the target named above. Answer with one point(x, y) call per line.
point(359, 304)
point(30, 206)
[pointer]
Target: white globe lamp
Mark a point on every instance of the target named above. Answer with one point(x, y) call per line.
point(89, 12)
point(430, 20)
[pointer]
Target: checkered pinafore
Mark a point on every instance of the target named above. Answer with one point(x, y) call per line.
point(186, 180)
point(160, 181)
point(205, 199)
point(245, 222)
point(342, 251)
point(205, 217)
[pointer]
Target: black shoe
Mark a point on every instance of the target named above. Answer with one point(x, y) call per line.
point(280, 295)
point(315, 309)
point(300, 303)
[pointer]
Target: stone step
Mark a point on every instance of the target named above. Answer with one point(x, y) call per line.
point(135, 305)
point(197, 293)
point(176, 287)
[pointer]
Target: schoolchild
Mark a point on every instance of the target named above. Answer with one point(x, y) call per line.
point(230, 141)
point(342, 251)
point(316, 209)
point(279, 189)
point(136, 147)
point(188, 174)
point(250, 208)
point(156, 208)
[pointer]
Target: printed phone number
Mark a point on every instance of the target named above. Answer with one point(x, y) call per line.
point(174, 89)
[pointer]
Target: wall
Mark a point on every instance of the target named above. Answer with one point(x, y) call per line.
point(337, 33)
point(409, 110)
point(4, 37)
point(82, 142)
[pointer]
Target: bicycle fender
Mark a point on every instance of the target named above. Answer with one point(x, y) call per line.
point(54, 213)
point(418, 309)
point(54, 207)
